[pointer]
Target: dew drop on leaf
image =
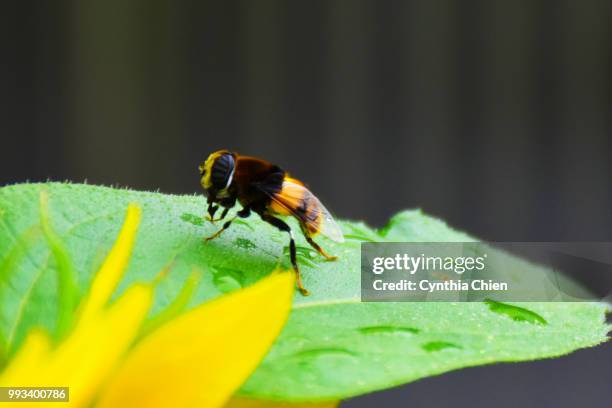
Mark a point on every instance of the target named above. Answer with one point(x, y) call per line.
point(409, 331)
point(192, 219)
point(438, 346)
point(227, 279)
point(305, 256)
point(244, 243)
point(516, 313)
point(330, 351)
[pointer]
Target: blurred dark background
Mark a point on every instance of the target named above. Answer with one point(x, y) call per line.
point(495, 115)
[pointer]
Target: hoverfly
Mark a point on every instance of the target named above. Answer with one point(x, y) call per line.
point(267, 190)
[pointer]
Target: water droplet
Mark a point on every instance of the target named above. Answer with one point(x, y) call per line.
point(227, 279)
point(516, 313)
point(303, 255)
point(277, 238)
point(438, 346)
point(389, 330)
point(244, 222)
point(226, 284)
point(192, 219)
point(329, 351)
point(244, 243)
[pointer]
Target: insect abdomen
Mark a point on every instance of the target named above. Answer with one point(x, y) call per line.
point(295, 199)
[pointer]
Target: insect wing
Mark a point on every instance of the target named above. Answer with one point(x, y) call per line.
point(328, 226)
point(295, 199)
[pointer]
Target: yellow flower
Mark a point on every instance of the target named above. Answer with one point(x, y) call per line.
point(197, 359)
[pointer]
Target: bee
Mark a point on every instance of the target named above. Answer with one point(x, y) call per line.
point(267, 190)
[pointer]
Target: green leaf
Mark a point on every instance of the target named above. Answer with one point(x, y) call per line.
point(333, 346)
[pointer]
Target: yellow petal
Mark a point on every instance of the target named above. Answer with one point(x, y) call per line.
point(200, 358)
point(253, 403)
point(31, 355)
point(88, 354)
point(86, 358)
point(106, 280)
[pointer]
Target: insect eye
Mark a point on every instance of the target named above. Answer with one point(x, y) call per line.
point(222, 171)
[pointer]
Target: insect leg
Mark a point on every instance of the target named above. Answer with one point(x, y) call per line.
point(245, 212)
point(316, 246)
point(226, 203)
point(222, 216)
point(212, 209)
point(281, 225)
point(225, 226)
